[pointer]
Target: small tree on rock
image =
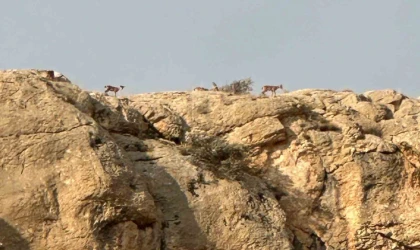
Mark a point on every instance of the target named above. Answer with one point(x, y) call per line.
point(243, 86)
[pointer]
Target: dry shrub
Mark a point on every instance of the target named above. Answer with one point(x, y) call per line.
point(212, 153)
point(243, 86)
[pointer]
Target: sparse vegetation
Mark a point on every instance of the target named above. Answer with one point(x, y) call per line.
point(243, 86)
point(212, 153)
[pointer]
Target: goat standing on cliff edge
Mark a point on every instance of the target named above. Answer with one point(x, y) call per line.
point(113, 89)
point(273, 89)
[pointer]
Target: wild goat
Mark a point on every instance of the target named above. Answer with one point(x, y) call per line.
point(56, 76)
point(200, 89)
point(113, 89)
point(271, 88)
point(215, 88)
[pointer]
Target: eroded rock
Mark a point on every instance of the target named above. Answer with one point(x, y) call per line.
point(328, 169)
point(259, 132)
point(65, 183)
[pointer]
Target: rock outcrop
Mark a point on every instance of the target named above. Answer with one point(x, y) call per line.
point(325, 169)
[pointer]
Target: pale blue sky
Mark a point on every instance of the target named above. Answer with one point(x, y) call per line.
point(152, 46)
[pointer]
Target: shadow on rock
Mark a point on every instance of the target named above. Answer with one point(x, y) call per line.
point(180, 228)
point(10, 238)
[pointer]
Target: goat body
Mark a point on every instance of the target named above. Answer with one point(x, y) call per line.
point(273, 89)
point(56, 76)
point(113, 89)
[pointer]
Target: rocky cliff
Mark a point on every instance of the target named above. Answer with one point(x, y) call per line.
point(310, 169)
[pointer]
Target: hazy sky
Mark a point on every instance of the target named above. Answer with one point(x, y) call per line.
point(152, 46)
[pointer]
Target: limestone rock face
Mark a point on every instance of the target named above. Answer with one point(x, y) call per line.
point(258, 132)
point(388, 97)
point(65, 183)
point(326, 169)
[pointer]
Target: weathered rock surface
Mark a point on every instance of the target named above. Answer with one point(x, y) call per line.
point(327, 170)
